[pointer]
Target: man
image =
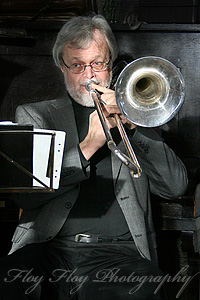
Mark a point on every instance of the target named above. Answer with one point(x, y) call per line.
point(94, 237)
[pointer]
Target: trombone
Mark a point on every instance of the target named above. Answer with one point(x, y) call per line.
point(149, 92)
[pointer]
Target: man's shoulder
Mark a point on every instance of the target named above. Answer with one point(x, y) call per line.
point(44, 114)
point(55, 103)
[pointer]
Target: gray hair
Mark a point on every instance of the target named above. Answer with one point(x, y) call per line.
point(79, 32)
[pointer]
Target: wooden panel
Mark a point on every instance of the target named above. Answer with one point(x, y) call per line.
point(41, 10)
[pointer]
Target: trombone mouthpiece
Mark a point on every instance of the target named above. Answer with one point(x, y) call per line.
point(88, 85)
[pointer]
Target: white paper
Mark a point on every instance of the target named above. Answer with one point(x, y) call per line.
point(7, 123)
point(41, 149)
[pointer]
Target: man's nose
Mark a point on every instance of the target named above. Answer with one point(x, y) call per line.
point(89, 73)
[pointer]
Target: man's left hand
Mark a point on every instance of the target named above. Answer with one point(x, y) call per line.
point(110, 107)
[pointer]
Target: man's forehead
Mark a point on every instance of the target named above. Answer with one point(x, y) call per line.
point(97, 40)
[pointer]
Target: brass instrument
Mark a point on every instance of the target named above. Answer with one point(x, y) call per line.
point(149, 92)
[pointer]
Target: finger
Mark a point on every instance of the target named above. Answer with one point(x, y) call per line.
point(109, 99)
point(111, 122)
point(127, 123)
point(100, 88)
point(112, 109)
point(105, 111)
point(108, 112)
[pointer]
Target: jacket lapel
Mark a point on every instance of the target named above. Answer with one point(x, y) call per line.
point(62, 116)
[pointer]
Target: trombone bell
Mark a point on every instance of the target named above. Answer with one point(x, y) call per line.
point(150, 91)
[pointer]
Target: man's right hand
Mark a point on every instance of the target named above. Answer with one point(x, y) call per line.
point(95, 138)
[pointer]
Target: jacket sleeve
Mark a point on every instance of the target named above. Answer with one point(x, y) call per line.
point(166, 172)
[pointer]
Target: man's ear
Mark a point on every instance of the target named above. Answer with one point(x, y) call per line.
point(61, 66)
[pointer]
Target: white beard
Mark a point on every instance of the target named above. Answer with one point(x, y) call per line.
point(84, 99)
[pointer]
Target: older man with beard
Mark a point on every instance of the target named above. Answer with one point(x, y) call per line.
point(94, 237)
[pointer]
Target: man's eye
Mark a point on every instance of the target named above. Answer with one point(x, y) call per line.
point(76, 65)
point(98, 63)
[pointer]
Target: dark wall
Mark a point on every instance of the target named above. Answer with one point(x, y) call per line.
point(28, 73)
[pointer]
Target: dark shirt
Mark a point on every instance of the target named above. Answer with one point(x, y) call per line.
point(96, 209)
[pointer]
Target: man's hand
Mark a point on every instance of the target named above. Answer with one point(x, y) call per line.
point(95, 138)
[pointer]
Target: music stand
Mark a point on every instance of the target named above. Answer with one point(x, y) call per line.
point(24, 189)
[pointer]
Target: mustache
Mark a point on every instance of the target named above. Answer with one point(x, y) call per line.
point(95, 81)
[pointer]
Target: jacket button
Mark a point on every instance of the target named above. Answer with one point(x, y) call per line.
point(138, 235)
point(124, 198)
point(68, 205)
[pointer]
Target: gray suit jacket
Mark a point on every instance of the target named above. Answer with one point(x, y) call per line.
point(44, 214)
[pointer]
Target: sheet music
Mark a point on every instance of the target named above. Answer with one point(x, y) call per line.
point(41, 149)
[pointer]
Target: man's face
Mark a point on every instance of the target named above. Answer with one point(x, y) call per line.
point(97, 51)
